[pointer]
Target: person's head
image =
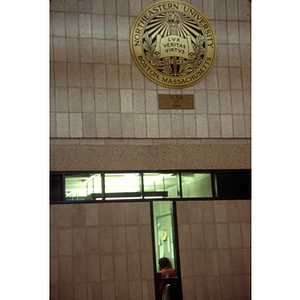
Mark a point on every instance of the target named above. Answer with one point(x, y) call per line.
point(164, 262)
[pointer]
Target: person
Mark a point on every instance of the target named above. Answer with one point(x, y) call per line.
point(165, 271)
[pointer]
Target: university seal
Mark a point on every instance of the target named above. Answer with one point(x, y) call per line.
point(173, 44)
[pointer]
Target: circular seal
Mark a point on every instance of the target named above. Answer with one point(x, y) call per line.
point(173, 44)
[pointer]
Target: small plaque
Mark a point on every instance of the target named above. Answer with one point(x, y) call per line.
point(176, 101)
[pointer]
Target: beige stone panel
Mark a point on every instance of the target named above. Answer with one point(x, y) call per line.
point(131, 213)
point(214, 126)
point(60, 49)
point(86, 72)
point(199, 265)
point(207, 209)
point(239, 286)
point(60, 74)
point(164, 126)
point(119, 242)
point(65, 269)
point(195, 212)
point(135, 289)
point(151, 102)
point(225, 102)
point(56, 6)
point(190, 126)
point(152, 126)
point(149, 85)
point(246, 55)
point(248, 126)
point(145, 238)
point(88, 103)
point(85, 25)
point(233, 32)
point(245, 32)
point(92, 240)
point(65, 291)
point(78, 215)
point(62, 125)
point(138, 97)
point(126, 101)
point(224, 261)
point(74, 75)
point(247, 260)
point(222, 57)
point(227, 291)
point(120, 262)
point(148, 289)
point(233, 211)
point(223, 77)
point(118, 213)
point(111, 52)
point(208, 9)
point(220, 10)
point(122, 289)
point(237, 261)
point(245, 11)
point(186, 264)
point(222, 236)
point(246, 75)
point(107, 268)
point(110, 25)
point(72, 50)
point(184, 235)
point(201, 85)
point(97, 26)
point(84, 6)
point(98, 51)
point(76, 125)
point(99, 75)
point(113, 100)
point(235, 235)
point(71, 5)
point(58, 24)
point(235, 78)
point(108, 290)
point(213, 102)
point(226, 126)
point(214, 288)
point(106, 239)
point(72, 24)
point(61, 99)
point(80, 292)
point(238, 126)
point(127, 126)
point(246, 234)
point(188, 288)
point(146, 265)
point(97, 6)
point(140, 130)
point(197, 236)
point(123, 23)
point(101, 100)
point(112, 76)
point(134, 7)
point(79, 240)
point(200, 102)
point(89, 125)
point(105, 214)
point(110, 7)
point(79, 268)
point(212, 262)
point(237, 102)
point(137, 78)
point(143, 213)
point(232, 9)
point(54, 241)
point(132, 238)
point(134, 266)
point(245, 210)
point(124, 77)
point(220, 211)
point(202, 126)
point(210, 236)
point(221, 33)
point(247, 102)
point(86, 53)
point(124, 53)
point(177, 126)
point(234, 55)
point(212, 79)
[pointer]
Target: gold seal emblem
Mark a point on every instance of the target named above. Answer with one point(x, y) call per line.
point(173, 44)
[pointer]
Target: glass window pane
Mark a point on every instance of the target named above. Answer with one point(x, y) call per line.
point(196, 185)
point(83, 187)
point(160, 185)
point(122, 186)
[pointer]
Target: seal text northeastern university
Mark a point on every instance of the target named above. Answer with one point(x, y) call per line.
point(173, 44)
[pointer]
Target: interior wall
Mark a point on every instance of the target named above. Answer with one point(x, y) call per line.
point(215, 249)
point(101, 251)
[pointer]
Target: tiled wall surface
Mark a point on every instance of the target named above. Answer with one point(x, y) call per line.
point(101, 251)
point(97, 91)
point(214, 244)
